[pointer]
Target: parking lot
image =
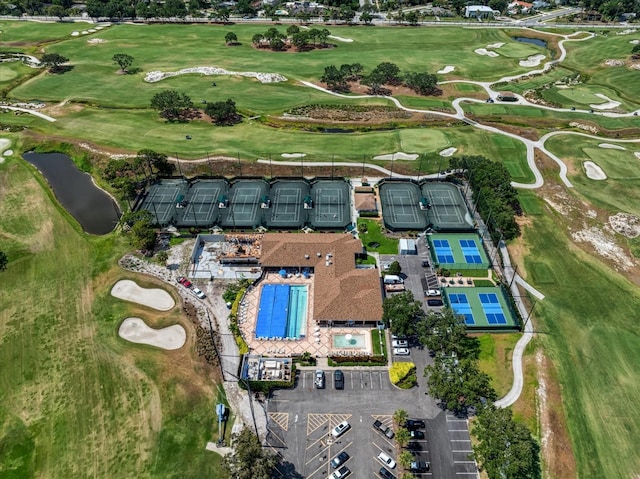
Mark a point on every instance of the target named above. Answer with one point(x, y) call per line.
point(300, 422)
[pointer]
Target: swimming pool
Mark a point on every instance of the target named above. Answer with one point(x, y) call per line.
point(282, 312)
point(352, 341)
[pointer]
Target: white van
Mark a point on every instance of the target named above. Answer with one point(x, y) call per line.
point(393, 279)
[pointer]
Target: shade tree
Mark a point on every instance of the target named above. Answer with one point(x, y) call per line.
point(54, 62)
point(223, 113)
point(249, 460)
point(173, 105)
point(123, 60)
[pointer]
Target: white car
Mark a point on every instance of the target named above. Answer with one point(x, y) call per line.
point(340, 473)
point(401, 351)
point(198, 293)
point(433, 292)
point(386, 460)
point(340, 429)
point(400, 343)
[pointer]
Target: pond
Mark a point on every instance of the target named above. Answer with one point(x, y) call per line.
point(94, 209)
point(532, 41)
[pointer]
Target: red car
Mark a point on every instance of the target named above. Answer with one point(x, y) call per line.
point(184, 282)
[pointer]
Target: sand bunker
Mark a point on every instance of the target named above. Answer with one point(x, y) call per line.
point(612, 62)
point(75, 34)
point(532, 61)
point(293, 155)
point(611, 147)
point(156, 76)
point(7, 153)
point(637, 154)
point(627, 32)
point(4, 144)
point(495, 45)
point(447, 69)
point(484, 51)
point(593, 171)
point(625, 224)
point(397, 156)
point(634, 42)
point(448, 151)
point(154, 298)
point(137, 331)
point(605, 106)
point(96, 40)
point(92, 30)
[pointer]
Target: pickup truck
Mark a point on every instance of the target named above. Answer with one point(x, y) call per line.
point(382, 429)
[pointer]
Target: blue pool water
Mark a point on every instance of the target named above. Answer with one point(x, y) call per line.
point(282, 312)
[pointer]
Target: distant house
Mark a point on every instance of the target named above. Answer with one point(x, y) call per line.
point(519, 6)
point(479, 11)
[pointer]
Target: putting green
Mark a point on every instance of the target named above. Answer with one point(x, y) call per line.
point(581, 95)
point(7, 73)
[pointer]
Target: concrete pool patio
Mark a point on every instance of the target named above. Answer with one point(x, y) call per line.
point(318, 341)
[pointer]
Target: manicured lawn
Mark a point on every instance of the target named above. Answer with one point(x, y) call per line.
point(77, 400)
point(379, 342)
point(588, 329)
point(374, 235)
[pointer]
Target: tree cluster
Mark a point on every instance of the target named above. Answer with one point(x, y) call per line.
point(611, 9)
point(301, 39)
point(249, 459)
point(130, 175)
point(223, 113)
point(505, 448)
point(174, 106)
point(139, 225)
point(496, 200)
point(386, 73)
point(54, 62)
point(402, 313)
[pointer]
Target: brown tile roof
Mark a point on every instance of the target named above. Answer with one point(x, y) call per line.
point(365, 201)
point(341, 292)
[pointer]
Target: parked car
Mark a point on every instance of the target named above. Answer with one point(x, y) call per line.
point(198, 293)
point(434, 302)
point(339, 460)
point(416, 434)
point(340, 429)
point(184, 282)
point(414, 446)
point(386, 474)
point(401, 351)
point(386, 460)
point(338, 379)
point(319, 379)
point(340, 473)
point(381, 428)
point(419, 466)
point(425, 263)
point(413, 424)
point(433, 292)
point(400, 343)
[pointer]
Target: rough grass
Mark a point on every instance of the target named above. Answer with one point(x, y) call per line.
point(83, 402)
point(588, 331)
point(495, 359)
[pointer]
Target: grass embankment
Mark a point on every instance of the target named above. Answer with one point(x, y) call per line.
point(586, 321)
point(495, 359)
point(84, 403)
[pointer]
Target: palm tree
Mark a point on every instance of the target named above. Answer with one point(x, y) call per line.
point(402, 437)
point(405, 459)
point(400, 417)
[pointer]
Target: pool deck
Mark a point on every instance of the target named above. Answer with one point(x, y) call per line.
point(317, 341)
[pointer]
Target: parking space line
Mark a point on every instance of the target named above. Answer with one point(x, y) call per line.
point(459, 440)
point(460, 450)
point(458, 430)
point(464, 462)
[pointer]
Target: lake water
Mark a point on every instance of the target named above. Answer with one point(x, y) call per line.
point(532, 41)
point(94, 209)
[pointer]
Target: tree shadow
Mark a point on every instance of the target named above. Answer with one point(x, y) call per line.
point(60, 69)
point(133, 71)
point(288, 471)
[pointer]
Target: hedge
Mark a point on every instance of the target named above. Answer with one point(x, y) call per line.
point(400, 371)
point(233, 325)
